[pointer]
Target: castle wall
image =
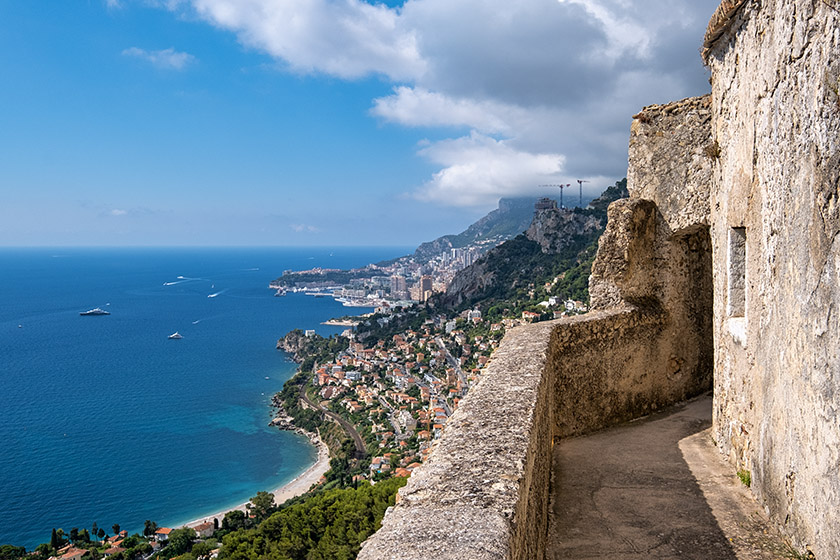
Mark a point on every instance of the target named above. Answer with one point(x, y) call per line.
point(775, 224)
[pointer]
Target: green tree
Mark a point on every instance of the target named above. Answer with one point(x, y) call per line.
point(101, 533)
point(9, 552)
point(263, 505)
point(94, 530)
point(116, 528)
point(149, 528)
point(74, 534)
point(180, 541)
point(329, 525)
point(55, 544)
point(201, 549)
point(234, 520)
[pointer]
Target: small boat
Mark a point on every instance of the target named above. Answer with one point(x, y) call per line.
point(95, 311)
point(267, 377)
point(175, 336)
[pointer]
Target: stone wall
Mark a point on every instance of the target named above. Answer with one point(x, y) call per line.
point(483, 492)
point(776, 118)
point(670, 156)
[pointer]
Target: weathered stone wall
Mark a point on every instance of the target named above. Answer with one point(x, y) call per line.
point(656, 257)
point(483, 493)
point(613, 366)
point(670, 160)
point(776, 118)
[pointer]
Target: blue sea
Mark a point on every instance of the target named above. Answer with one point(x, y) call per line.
point(104, 419)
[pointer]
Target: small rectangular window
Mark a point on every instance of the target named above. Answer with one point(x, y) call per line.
point(737, 292)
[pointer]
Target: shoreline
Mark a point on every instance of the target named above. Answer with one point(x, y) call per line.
point(340, 323)
point(295, 487)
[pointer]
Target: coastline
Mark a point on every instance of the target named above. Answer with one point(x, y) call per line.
point(295, 487)
point(340, 323)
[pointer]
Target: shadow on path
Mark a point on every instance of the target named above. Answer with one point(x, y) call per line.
point(629, 493)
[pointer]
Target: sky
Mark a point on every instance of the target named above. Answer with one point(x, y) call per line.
point(318, 122)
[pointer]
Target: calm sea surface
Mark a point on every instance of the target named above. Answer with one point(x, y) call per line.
point(106, 420)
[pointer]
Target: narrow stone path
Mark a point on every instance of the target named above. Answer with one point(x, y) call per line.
point(654, 489)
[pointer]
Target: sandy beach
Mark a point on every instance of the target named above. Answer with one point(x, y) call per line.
point(294, 487)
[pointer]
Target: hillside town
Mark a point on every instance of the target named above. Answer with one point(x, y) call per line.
point(399, 389)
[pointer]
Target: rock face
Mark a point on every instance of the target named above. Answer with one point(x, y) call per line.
point(555, 230)
point(656, 252)
point(671, 154)
point(775, 221)
point(293, 343)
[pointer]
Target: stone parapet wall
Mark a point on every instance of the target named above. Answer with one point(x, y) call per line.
point(613, 366)
point(483, 493)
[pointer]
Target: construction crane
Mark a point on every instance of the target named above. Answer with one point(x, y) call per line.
point(561, 187)
point(580, 183)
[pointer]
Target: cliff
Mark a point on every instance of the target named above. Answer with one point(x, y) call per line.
point(555, 230)
point(294, 344)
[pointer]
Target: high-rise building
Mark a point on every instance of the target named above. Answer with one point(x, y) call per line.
point(425, 287)
point(398, 286)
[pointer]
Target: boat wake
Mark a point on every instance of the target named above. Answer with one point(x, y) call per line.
point(182, 279)
point(217, 293)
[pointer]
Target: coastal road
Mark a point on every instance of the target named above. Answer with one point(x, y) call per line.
point(361, 450)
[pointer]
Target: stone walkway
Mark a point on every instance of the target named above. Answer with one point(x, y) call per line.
point(654, 489)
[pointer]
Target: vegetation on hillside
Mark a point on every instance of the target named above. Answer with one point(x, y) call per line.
point(327, 526)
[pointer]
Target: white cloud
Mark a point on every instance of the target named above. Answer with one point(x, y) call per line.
point(421, 107)
point(345, 38)
point(478, 169)
point(554, 82)
point(166, 58)
point(118, 212)
point(623, 31)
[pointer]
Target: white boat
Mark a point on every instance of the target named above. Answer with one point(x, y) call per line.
point(175, 336)
point(95, 311)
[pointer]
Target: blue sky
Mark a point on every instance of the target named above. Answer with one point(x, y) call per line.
point(318, 122)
